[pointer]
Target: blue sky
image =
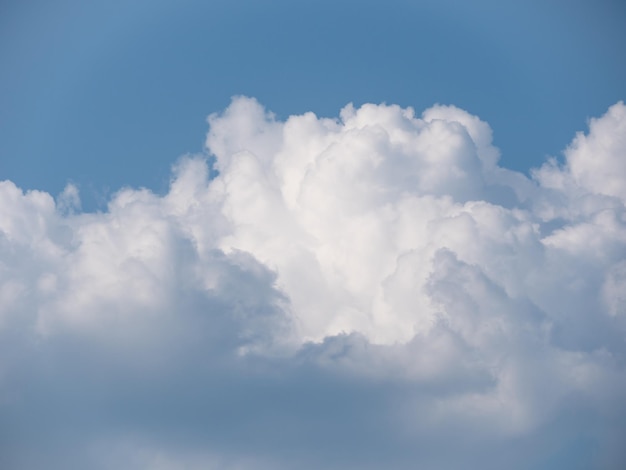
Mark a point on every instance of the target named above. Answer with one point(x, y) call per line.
point(266, 235)
point(89, 87)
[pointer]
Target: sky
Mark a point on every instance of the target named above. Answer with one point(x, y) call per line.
point(271, 235)
point(88, 86)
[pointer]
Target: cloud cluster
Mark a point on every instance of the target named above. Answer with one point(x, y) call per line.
point(372, 290)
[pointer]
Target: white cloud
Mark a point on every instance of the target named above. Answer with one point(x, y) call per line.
point(375, 278)
point(596, 161)
point(68, 200)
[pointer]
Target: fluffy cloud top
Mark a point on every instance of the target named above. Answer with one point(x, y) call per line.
point(367, 291)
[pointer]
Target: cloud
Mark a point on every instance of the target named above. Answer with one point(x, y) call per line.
point(594, 161)
point(366, 291)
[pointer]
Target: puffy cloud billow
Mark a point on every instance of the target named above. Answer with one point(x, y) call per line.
point(372, 291)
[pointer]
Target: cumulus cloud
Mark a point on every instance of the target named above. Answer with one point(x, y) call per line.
point(366, 291)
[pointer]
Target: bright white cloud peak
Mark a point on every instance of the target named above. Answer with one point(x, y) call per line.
point(388, 247)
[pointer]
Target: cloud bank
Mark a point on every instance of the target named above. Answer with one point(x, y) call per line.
point(362, 292)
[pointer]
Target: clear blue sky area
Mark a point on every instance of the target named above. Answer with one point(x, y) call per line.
point(109, 93)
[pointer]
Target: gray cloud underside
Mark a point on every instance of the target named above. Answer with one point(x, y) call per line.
point(371, 291)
